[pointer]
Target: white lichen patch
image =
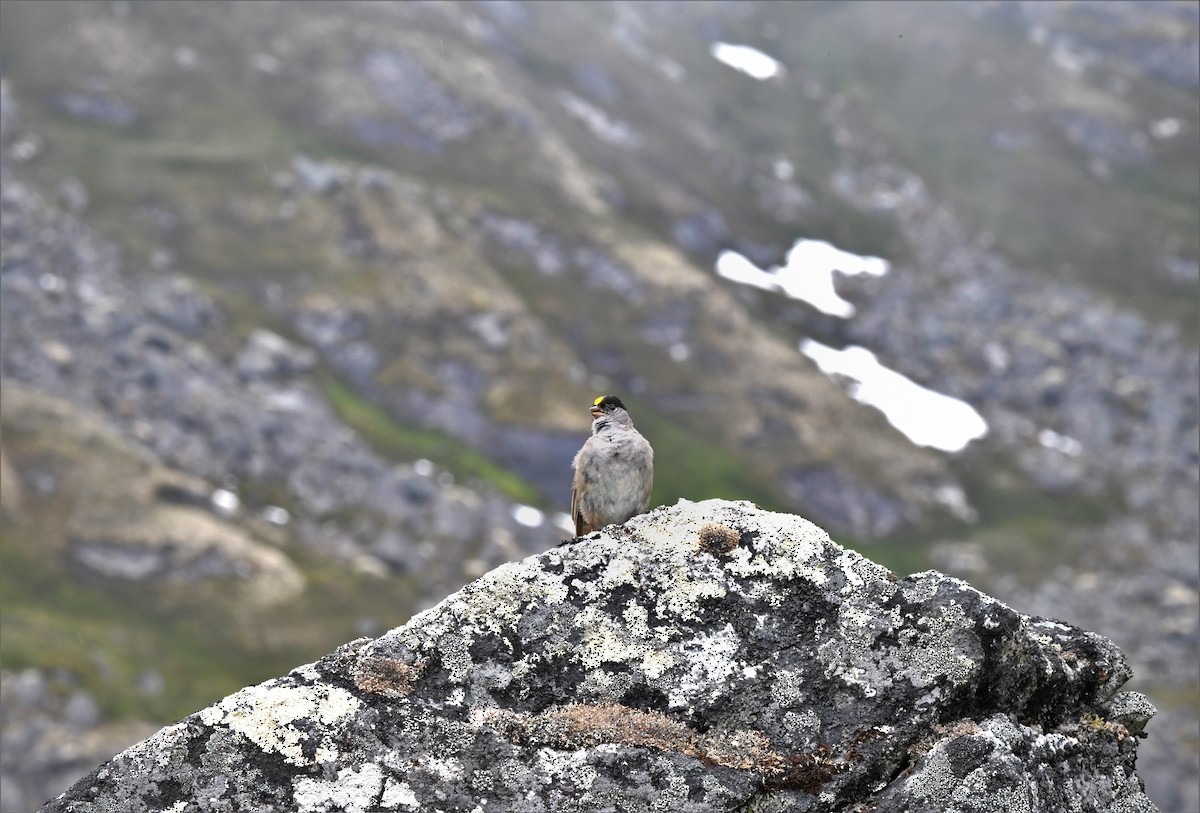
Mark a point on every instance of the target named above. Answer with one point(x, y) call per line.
point(353, 791)
point(264, 714)
point(805, 722)
point(1048, 623)
point(742, 562)
point(492, 604)
point(924, 586)
point(492, 675)
point(1055, 745)
point(682, 599)
point(980, 784)
point(398, 796)
point(710, 666)
point(921, 587)
point(848, 653)
point(859, 572)
point(657, 662)
point(1010, 800)
point(566, 766)
point(670, 572)
point(626, 640)
point(504, 592)
point(612, 685)
point(455, 657)
point(787, 688)
point(447, 770)
point(787, 547)
point(673, 796)
point(856, 622)
point(637, 621)
point(935, 781)
point(619, 571)
point(158, 749)
point(944, 652)
point(308, 671)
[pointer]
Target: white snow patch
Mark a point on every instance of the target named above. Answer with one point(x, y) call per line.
point(926, 417)
point(1163, 129)
point(276, 515)
point(528, 516)
point(808, 274)
point(225, 501)
point(749, 61)
point(1060, 443)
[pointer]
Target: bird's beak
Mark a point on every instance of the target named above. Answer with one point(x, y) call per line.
point(597, 412)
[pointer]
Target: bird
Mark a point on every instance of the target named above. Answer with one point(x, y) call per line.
point(614, 470)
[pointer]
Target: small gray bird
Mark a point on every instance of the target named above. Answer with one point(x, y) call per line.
point(614, 471)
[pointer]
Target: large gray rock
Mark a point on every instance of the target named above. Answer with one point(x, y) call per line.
point(706, 656)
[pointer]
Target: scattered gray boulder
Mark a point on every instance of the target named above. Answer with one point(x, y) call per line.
point(269, 355)
point(78, 325)
point(53, 733)
point(99, 107)
point(705, 656)
point(419, 109)
point(702, 234)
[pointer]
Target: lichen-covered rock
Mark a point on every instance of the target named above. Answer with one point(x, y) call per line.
point(706, 656)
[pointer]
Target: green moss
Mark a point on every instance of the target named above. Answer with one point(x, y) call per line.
point(901, 557)
point(399, 442)
point(688, 465)
point(100, 632)
point(199, 637)
point(1022, 530)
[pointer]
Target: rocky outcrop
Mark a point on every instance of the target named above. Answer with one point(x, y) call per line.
point(706, 656)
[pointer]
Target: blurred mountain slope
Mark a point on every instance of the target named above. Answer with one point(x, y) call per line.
point(352, 272)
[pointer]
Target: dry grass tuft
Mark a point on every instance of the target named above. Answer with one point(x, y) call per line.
point(582, 725)
point(387, 676)
point(718, 539)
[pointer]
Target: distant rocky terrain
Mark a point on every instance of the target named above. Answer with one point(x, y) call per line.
point(707, 656)
point(141, 356)
point(54, 732)
point(301, 307)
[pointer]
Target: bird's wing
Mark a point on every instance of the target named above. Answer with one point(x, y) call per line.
point(576, 517)
point(649, 477)
point(574, 505)
point(646, 492)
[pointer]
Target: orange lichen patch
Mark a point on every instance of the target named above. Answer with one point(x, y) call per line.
point(387, 676)
point(718, 539)
point(582, 725)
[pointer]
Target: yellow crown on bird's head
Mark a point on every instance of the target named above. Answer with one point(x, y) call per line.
point(605, 404)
